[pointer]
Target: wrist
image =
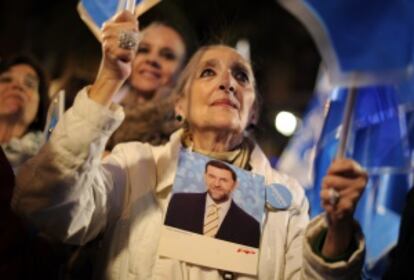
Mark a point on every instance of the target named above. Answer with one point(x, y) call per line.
point(102, 90)
point(341, 225)
point(339, 237)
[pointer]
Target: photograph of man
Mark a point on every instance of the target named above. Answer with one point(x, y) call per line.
point(214, 213)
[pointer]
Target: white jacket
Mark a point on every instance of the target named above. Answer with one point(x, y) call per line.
point(69, 193)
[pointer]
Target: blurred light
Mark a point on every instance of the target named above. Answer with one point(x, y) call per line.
point(243, 47)
point(286, 123)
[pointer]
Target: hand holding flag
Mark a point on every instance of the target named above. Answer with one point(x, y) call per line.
point(119, 43)
point(349, 180)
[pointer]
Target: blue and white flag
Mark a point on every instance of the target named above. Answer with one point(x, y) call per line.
point(297, 158)
point(380, 141)
point(362, 42)
point(366, 44)
point(95, 12)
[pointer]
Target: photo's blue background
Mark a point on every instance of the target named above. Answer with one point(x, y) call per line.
point(249, 195)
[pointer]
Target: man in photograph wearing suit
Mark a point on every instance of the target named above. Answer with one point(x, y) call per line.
point(214, 213)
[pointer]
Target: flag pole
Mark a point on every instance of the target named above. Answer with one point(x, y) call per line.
point(346, 121)
point(343, 140)
point(128, 5)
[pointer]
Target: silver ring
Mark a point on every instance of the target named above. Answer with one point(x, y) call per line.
point(128, 40)
point(333, 196)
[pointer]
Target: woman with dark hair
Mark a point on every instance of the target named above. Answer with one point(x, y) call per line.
point(24, 254)
point(23, 103)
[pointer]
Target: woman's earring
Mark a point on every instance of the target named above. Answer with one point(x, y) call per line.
point(179, 118)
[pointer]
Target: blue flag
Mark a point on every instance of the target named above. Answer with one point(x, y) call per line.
point(380, 141)
point(366, 43)
point(362, 42)
point(95, 12)
point(297, 158)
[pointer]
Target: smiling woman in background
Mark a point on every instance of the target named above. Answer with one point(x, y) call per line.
point(146, 97)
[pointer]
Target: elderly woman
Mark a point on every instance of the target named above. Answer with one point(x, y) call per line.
point(71, 194)
point(23, 100)
point(146, 96)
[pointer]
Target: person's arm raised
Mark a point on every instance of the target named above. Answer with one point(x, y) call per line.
point(117, 56)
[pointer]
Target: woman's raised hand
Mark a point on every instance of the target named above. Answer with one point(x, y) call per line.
point(119, 43)
point(346, 181)
point(342, 187)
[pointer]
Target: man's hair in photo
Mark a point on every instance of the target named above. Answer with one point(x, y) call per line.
point(221, 165)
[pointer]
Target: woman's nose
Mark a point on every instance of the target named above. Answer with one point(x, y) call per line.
point(17, 83)
point(227, 83)
point(153, 60)
point(227, 88)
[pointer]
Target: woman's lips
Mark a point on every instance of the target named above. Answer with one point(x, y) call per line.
point(225, 102)
point(13, 95)
point(150, 74)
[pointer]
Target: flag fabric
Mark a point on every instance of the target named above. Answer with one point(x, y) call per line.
point(369, 46)
point(380, 141)
point(95, 12)
point(54, 113)
point(362, 42)
point(297, 158)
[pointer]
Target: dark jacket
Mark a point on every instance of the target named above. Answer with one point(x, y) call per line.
point(403, 255)
point(186, 211)
point(23, 254)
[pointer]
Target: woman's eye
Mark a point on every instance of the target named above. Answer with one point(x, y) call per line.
point(5, 79)
point(207, 73)
point(168, 55)
point(31, 83)
point(142, 49)
point(241, 76)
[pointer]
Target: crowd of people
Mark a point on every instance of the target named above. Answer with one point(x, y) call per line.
point(107, 171)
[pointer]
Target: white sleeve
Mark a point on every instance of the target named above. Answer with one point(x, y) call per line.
point(301, 261)
point(314, 267)
point(65, 190)
point(299, 218)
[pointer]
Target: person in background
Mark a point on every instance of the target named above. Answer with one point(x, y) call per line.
point(24, 252)
point(69, 191)
point(23, 105)
point(147, 95)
